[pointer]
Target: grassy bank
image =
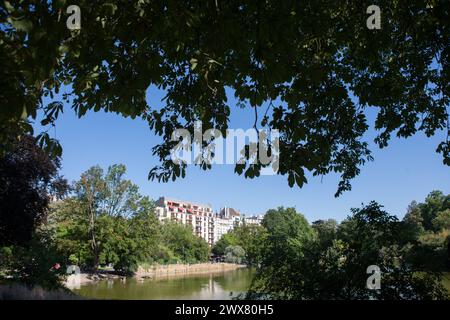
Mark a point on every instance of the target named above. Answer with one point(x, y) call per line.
point(16, 291)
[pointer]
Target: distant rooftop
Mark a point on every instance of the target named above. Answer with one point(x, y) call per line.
point(183, 201)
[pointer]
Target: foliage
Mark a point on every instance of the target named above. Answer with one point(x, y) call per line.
point(164, 255)
point(108, 222)
point(68, 227)
point(434, 203)
point(105, 222)
point(247, 236)
point(34, 264)
point(413, 222)
point(428, 224)
point(127, 242)
point(146, 229)
point(28, 179)
point(250, 237)
point(313, 84)
point(326, 231)
point(287, 234)
point(442, 220)
point(228, 239)
point(107, 200)
point(313, 267)
point(185, 246)
point(234, 254)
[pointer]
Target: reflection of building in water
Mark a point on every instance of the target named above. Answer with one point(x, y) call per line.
point(211, 284)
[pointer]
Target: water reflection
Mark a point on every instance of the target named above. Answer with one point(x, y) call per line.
point(210, 286)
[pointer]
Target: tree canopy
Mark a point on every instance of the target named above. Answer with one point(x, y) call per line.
point(330, 261)
point(182, 244)
point(249, 237)
point(310, 69)
point(28, 180)
point(106, 221)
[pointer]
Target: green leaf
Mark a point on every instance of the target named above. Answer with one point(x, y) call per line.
point(194, 63)
point(22, 24)
point(291, 180)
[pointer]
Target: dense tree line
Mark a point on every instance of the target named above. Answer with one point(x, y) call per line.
point(107, 222)
point(243, 243)
point(28, 180)
point(100, 220)
point(327, 260)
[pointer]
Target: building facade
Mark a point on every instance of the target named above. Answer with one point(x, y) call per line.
point(200, 217)
point(221, 226)
point(225, 221)
point(205, 223)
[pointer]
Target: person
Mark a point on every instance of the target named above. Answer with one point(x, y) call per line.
point(55, 267)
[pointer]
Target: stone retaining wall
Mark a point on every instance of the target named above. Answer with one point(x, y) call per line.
point(185, 269)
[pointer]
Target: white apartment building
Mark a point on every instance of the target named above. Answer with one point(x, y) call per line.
point(222, 226)
point(225, 221)
point(199, 216)
point(205, 224)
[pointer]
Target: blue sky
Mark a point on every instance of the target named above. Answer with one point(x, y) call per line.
point(407, 170)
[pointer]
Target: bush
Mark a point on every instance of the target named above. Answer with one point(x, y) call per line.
point(38, 264)
point(234, 254)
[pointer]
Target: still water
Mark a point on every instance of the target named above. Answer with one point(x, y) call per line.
point(207, 286)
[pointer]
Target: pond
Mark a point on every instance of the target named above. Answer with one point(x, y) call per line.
point(217, 286)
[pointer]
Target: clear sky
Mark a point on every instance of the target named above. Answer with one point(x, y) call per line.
point(407, 170)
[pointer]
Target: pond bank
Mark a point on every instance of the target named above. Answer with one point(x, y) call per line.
point(185, 269)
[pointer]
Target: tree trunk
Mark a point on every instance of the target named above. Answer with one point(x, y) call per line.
point(94, 244)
